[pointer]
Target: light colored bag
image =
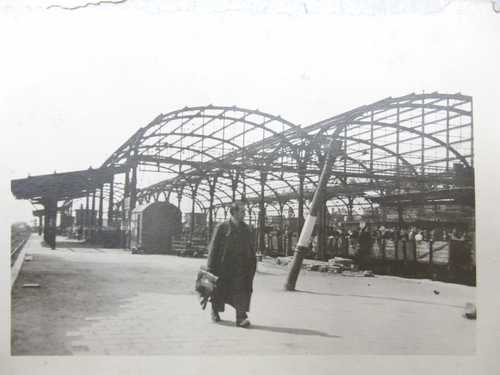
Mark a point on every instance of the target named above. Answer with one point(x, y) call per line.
point(205, 286)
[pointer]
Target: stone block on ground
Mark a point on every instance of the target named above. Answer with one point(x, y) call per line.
point(470, 311)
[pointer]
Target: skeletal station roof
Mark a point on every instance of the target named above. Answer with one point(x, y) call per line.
point(417, 138)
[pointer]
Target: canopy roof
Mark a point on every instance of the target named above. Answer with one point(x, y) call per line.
point(62, 186)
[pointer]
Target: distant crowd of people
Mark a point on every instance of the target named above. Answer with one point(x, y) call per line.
point(362, 239)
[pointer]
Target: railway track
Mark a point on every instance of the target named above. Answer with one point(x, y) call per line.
point(17, 250)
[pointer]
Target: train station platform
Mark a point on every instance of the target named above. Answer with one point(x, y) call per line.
point(93, 301)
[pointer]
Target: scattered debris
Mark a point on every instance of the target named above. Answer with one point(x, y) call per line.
point(340, 265)
point(335, 269)
point(282, 261)
point(313, 267)
point(470, 311)
point(344, 262)
point(33, 285)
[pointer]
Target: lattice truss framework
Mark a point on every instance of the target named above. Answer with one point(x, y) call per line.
point(213, 155)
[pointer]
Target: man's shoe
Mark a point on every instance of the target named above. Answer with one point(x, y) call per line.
point(245, 323)
point(215, 316)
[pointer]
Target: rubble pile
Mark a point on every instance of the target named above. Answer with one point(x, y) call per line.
point(339, 265)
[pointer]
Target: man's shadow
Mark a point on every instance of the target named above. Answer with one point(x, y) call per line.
point(289, 330)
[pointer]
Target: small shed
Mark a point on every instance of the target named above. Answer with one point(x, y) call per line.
point(152, 227)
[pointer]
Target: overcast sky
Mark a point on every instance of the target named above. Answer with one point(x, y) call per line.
point(75, 84)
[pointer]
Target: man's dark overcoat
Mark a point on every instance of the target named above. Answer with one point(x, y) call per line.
point(231, 257)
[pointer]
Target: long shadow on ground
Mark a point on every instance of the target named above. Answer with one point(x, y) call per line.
point(289, 330)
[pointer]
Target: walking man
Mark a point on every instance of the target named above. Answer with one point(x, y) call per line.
point(232, 257)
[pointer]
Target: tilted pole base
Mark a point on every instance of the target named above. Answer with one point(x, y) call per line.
point(295, 269)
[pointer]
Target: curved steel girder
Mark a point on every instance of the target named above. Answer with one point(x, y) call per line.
point(197, 201)
point(194, 135)
point(249, 187)
point(235, 120)
point(385, 149)
point(182, 183)
point(390, 152)
point(154, 164)
point(293, 148)
point(160, 186)
point(218, 189)
point(120, 152)
point(154, 161)
point(237, 190)
point(265, 184)
point(347, 205)
point(340, 127)
point(184, 175)
point(269, 188)
point(201, 188)
point(360, 163)
point(175, 114)
point(271, 205)
point(187, 149)
point(162, 119)
point(358, 112)
point(176, 184)
point(417, 132)
point(429, 106)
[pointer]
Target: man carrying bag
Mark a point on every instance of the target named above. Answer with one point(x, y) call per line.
point(232, 259)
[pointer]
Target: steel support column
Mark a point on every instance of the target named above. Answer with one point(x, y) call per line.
point(133, 188)
point(211, 184)
point(92, 218)
point(371, 142)
point(110, 202)
point(192, 223)
point(262, 215)
point(422, 141)
point(125, 214)
point(300, 214)
point(281, 228)
point(234, 185)
point(101, 201)
point(50, 207)
point(179, 198)
point(350, 204)
point(447, 135)
point(322, 231)
point(40, 224)
point(86, 218)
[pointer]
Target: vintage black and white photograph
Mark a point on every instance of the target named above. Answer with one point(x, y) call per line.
point(245, 178)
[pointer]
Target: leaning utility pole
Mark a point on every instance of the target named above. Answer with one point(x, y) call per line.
point(333, 151)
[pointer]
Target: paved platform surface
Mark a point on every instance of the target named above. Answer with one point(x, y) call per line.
point(109, 302)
